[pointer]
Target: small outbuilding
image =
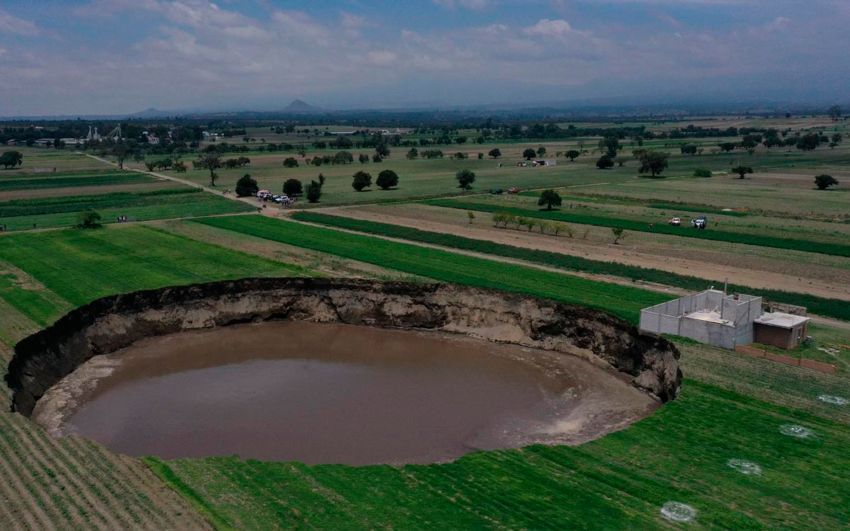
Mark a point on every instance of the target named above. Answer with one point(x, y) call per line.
point(779, 329)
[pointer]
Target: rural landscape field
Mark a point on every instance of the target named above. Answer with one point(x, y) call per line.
point(546, 229)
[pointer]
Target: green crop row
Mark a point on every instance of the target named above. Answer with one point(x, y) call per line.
point(54, 205)
point(809, 246)
point(70, 182)
point(819, 305)
point(82, 265)
point(445, 266)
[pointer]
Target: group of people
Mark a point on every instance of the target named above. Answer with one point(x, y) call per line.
point(122, 219)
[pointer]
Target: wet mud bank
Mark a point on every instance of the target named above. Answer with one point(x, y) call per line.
point(335, 393)
point(114, 323)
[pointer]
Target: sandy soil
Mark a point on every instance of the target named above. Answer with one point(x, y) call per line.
point(685, 261)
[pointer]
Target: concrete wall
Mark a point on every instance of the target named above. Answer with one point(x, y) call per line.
point(716, 334)
point(671, 317)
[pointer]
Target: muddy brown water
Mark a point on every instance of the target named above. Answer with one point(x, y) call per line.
point(333, 393)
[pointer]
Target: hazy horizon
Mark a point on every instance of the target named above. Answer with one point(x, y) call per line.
point(122, 56)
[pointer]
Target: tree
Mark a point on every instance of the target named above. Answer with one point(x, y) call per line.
point(808, 142)
point(292, 187)
point(495, 153)
point(529, 154)
point(179, 167)
point(572, 154)
point(541, 151)
point(653, 162)
point(610, 145)
point(120, 151)
point(363, 158)
point(835, 112)
point(247, 186)
point(211, 162)
point(825, 181)
point(382, 150)
point(688, 149)
point(10, 159)
point(376, 157)
point(361, 180)
point(412, 154)
point(605, 162)
point(314, 192)
point(727, 146)
point(465, 178)
point(742, 171)
point(618, 233)
point(387, 179)
point(702, 172)
point(88, 220)
point(549, 198)
point(471, 216)
point(290, 162)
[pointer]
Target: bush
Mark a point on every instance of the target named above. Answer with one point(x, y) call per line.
point(314, 192)
point(825, 181)
point(292, 187)
point(387, 179)
point(605, 162)
point(361, 180)
point(88, 220)
point(702, 172)
point(290, 162)
point(246, 186)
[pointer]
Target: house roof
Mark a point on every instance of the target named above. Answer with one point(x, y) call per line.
point(781, 319)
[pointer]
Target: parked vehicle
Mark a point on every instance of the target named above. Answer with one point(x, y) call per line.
point(496, 191)
point(513, 190)
point(700, 222)
point(676, 222)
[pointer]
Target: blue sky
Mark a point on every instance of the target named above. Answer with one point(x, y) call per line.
point(116, 56)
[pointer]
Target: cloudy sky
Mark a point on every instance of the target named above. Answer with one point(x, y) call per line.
point(116, 56)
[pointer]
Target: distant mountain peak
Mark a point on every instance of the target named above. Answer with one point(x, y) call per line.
point(301, 106)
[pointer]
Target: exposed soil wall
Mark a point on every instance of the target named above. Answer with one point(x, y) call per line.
point(112, 323)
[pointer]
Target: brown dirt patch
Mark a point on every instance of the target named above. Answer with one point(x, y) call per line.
point(740, 269)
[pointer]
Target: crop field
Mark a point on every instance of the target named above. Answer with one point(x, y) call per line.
point(827, 307)
point(659, 227)
point(141, 206)
point(445, 266)
point(85, 265)
point(782, 239)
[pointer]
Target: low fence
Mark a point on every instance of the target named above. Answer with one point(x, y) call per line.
point(819, 366)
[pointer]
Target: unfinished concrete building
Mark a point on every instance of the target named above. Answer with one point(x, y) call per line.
point(722, 320)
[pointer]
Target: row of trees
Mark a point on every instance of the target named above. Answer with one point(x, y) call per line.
point(504, 220)
point(386, 180)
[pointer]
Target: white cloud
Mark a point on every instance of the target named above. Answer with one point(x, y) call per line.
point(549, 28)
point(476, 5)
point(16, 26)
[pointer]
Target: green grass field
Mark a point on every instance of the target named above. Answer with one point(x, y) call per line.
point(78, 266)
point(446, 266)
point(62, 181)
point(819, 305)
point(170, 203)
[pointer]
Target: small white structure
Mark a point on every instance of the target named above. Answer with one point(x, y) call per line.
point(708, 317)
point(722, 320)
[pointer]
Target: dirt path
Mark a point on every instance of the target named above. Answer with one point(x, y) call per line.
point(609, 253)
